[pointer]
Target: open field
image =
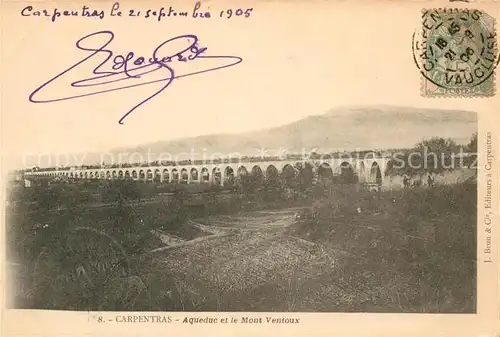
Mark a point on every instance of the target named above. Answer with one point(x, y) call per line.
point(401, 251)
point(391, 257)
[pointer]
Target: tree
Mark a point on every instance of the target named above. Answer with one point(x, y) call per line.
point(438, 153)
point(438, 144)
point(472, 146)
point(305, 175)
point(434, 155)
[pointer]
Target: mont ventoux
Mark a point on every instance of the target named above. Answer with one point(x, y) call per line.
point(355, 128)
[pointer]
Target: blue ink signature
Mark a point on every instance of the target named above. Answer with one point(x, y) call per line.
point(125, 68)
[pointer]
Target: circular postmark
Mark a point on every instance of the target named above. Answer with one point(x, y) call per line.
point(457, 49)
point(89, 270)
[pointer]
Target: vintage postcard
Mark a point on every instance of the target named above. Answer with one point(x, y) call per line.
point(250, 168)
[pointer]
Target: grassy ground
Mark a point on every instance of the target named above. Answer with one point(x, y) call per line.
point(405, 251)
point(411, 251)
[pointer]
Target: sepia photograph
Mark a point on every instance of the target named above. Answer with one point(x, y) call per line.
point(387, 224)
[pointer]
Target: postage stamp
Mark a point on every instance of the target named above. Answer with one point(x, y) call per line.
point(457, 54)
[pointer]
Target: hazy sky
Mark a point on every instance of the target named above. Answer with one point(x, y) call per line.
point(297, 60)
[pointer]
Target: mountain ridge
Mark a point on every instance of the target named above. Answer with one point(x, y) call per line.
point(340, 129)
point(353, 128)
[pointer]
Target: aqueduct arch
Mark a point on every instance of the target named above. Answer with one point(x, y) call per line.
point(228, 175)
point(257, 175)
point(288, 173)
point(347, 173)
point(272, 172)
point(375, 175)
point(175, 175)
point(257, 171)
point(242, 171)
point(217, 175)
point(325, 173)
point(194, 175)
point(184, 176)
point(205, 175)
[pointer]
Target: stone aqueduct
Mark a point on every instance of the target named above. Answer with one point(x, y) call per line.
point(365, 170)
